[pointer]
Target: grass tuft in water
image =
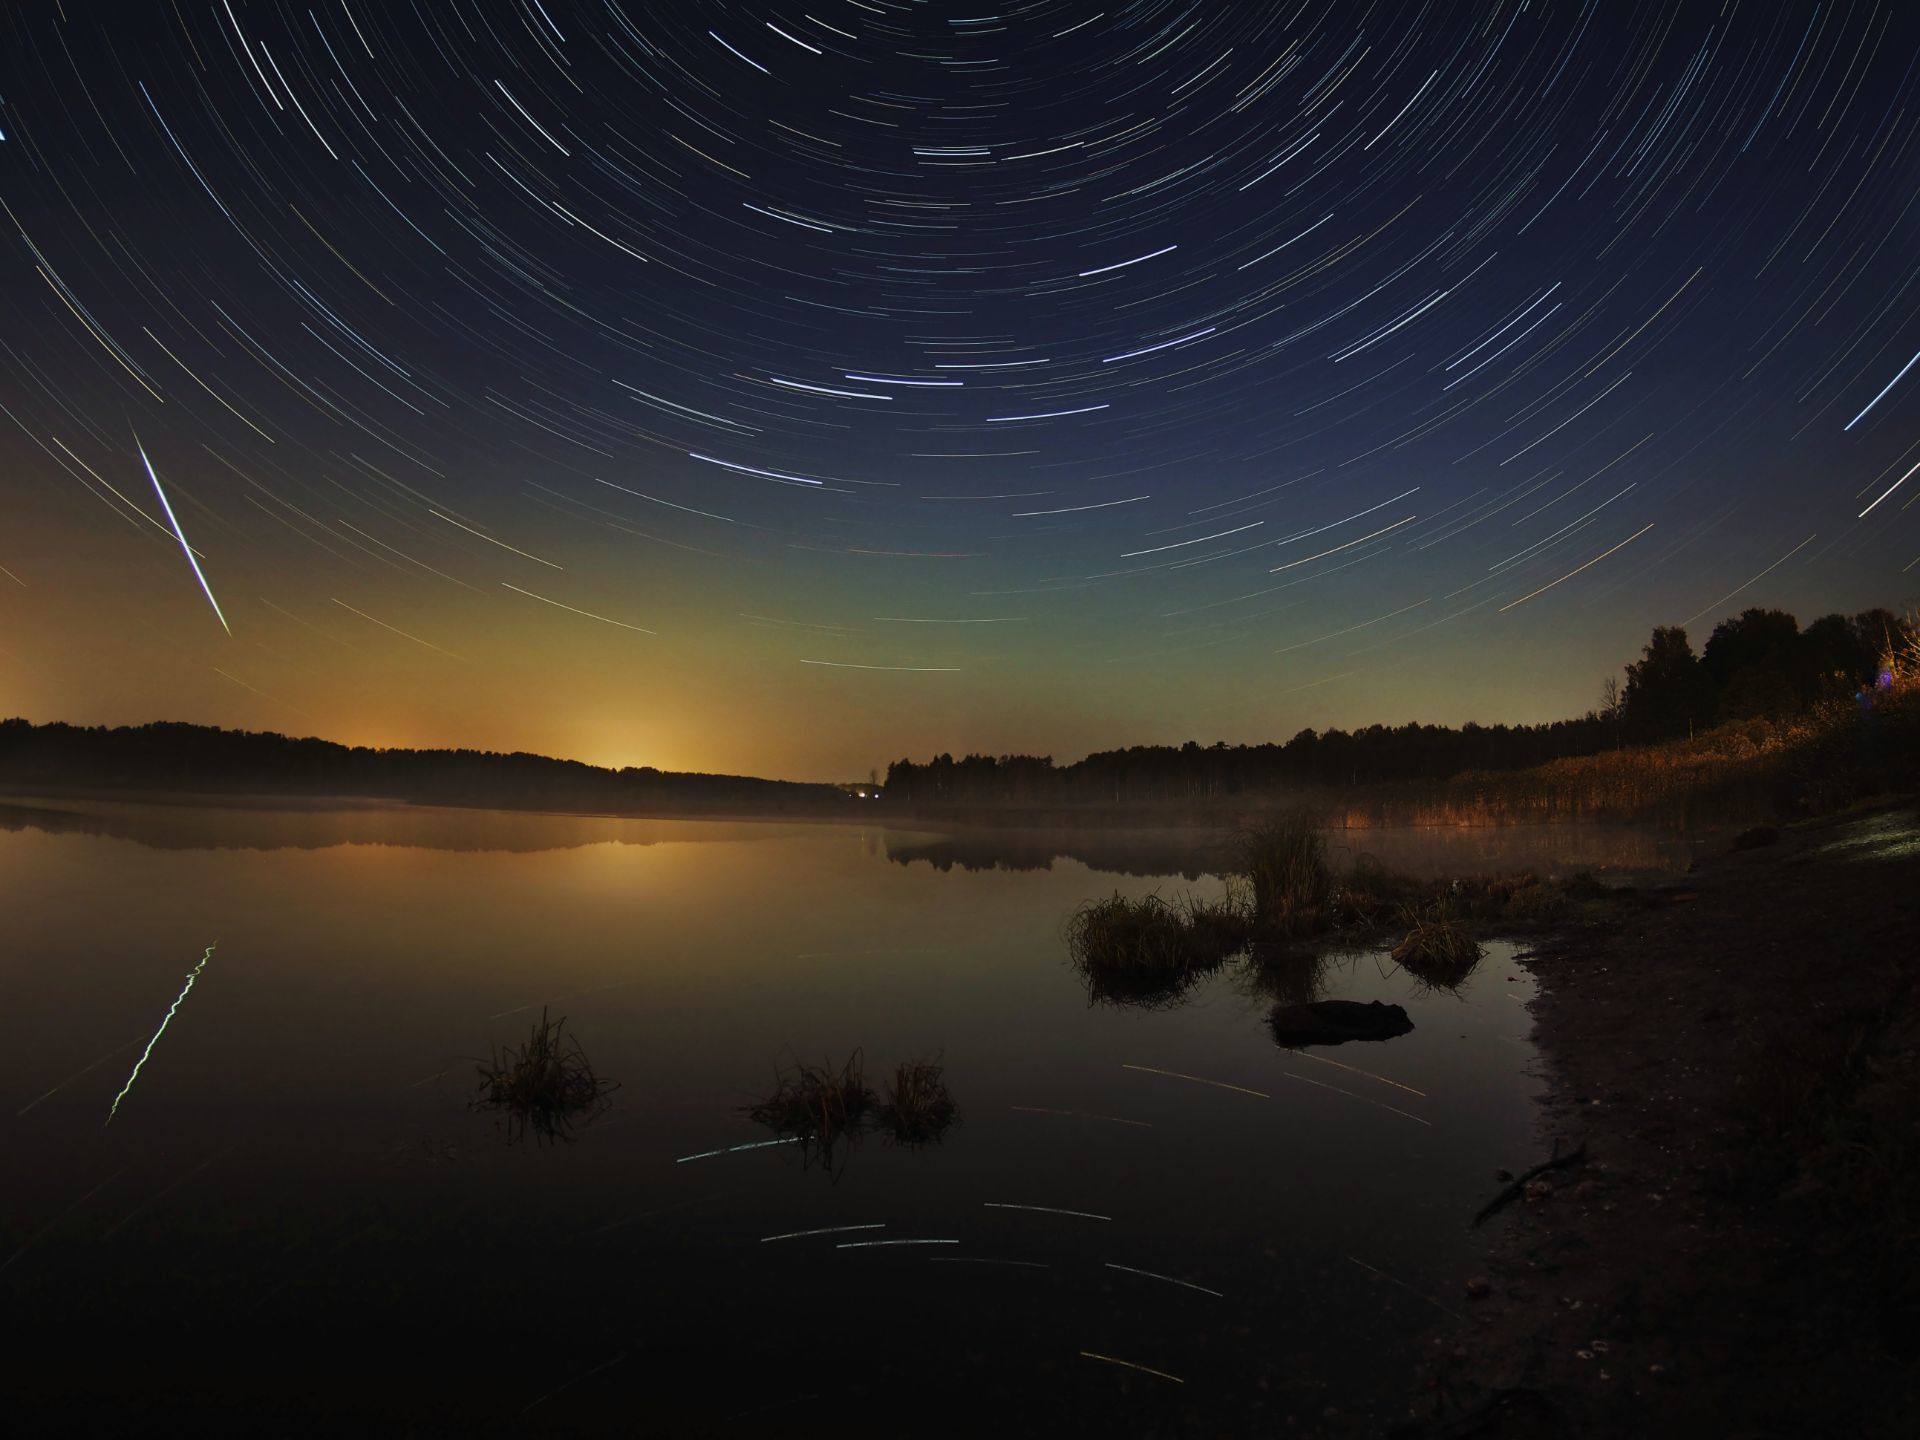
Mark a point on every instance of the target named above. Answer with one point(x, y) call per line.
point(1219, 928)
point(546, 1085)
point(817, 1104)
point(919, 1109)
point(1150, 950)
point(1438, 949)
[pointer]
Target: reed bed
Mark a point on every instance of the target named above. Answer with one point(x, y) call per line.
point(1367, 897)
point(1370, 901)
point(546, 1086)
point(1737, 773)
point(1282, 891)
point(1151, 952)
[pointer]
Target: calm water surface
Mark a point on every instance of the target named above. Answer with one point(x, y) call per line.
point(295, 1219)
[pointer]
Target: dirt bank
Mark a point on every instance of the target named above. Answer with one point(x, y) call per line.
point(1737, 1254)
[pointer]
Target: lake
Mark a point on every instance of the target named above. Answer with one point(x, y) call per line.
point(1145, 1222)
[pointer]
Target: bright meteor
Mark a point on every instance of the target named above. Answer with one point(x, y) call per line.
point(192, 975)
point(180, 535)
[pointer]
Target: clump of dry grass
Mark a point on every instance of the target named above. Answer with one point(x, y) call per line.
point(1438, 949)
point(817, 1104)
point(1367, 896)
point(919, 1109)
point(1150, 950)
point(1119, 933)
point(546, 1085)
point(1538, 903)
point(1525, 901)
point(1355, 907)
point(1219, 928)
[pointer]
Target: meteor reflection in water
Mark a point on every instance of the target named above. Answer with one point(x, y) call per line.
point(192, 975)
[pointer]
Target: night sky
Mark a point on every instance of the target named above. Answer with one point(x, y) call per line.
point(791, 387)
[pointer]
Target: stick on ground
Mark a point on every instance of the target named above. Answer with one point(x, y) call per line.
point(1513, 1192)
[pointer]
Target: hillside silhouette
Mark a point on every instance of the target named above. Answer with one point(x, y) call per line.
point(204, 759)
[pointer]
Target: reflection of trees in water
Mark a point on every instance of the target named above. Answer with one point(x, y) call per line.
point(1285, 974)
point(222, 823)
point(1423, 851)
point(190, 823)
point(1186, 853)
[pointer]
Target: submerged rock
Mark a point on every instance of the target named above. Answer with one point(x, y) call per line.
point(1330, 1022)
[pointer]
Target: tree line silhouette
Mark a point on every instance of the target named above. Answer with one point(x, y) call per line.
point(1759, 664)
point(178, 757)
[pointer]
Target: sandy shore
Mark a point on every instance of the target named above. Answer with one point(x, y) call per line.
point(1736, 1255)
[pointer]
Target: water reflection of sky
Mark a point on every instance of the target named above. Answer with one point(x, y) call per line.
point(223, 823)
point(296, 1175)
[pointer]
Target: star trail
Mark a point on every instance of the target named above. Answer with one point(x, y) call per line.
point(788, 387)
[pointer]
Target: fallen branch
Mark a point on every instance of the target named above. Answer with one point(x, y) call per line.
point(1518, 1187)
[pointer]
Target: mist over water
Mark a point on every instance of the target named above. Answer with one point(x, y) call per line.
point(222, 822)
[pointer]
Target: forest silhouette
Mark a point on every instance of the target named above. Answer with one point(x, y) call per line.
point(1757, 666)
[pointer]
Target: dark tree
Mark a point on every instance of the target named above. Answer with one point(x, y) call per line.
point(1668, 692)
point(1837, 657)
point(1613, 709)
point(1757, 665)
point(1889, 639)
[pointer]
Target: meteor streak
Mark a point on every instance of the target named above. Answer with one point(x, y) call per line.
point(192, 975)
point(180, 535)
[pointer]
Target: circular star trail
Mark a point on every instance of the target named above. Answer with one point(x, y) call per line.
point(791, 386)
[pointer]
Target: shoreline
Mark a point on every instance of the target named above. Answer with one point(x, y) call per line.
point(1735, 1255)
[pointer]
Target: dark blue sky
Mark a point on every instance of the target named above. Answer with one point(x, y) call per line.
point(794, 386)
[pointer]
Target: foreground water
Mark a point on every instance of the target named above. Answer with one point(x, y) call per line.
point(295, 1218)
